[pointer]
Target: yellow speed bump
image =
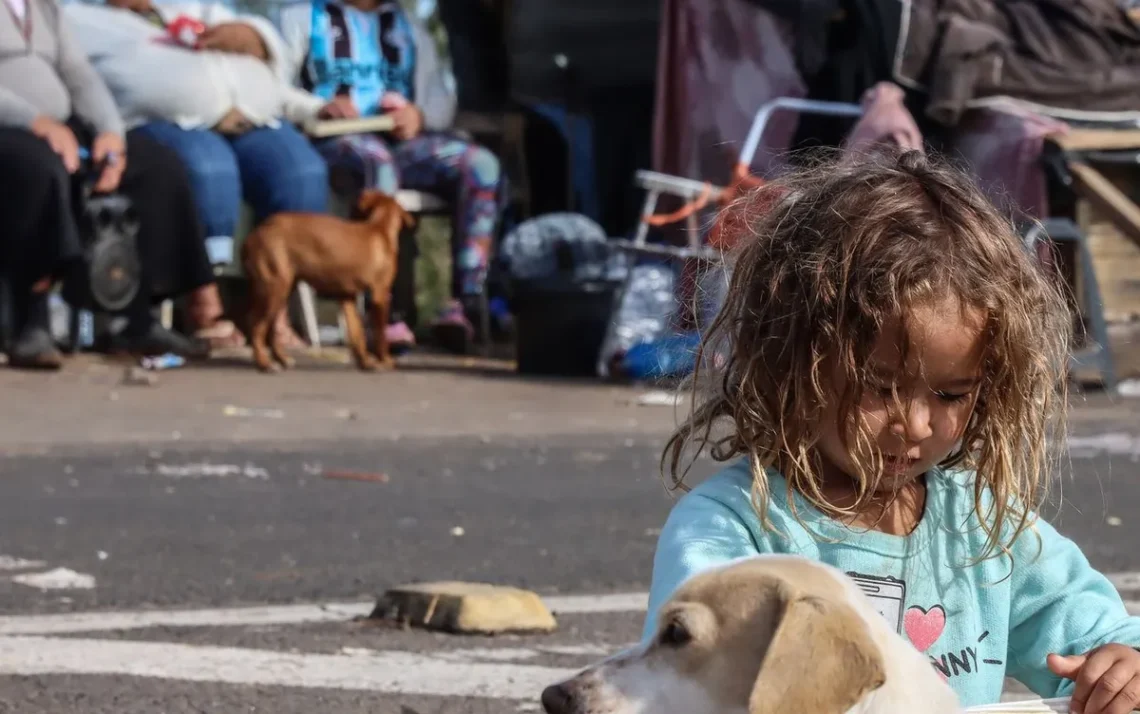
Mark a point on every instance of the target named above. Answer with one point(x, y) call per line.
point(465, 608)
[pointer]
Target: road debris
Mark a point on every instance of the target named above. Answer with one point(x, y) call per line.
point(458, 531)
point(166, 361)
point(208, 470)
point(137, 377)
point(57, 579)
point(231, 410)
point(659, 398)
point(356, 476)
point(8, 562)
point(1129, 388)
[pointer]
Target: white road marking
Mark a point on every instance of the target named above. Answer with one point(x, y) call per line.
point(208, 470)
point(498, 673)
point(268, 615)
point(590, 604)
point(390, 672)
point(1113, 444)
point(142, 619)
point(1125, 581)
point(10, 562)
point(56, 579)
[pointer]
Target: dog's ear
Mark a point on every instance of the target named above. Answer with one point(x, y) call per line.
point(821, 660)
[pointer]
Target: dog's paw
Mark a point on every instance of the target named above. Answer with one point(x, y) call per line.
point(269, 368)
point(286, 362)
point(386, 364)
point(367, 365)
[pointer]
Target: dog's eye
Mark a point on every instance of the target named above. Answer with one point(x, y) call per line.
point(675, 635)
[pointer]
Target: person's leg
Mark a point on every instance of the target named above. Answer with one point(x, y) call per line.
point(214, 175)
point(469, 176)
point(170, 241)
point(281, 172)
point(359, 161)
point(39, 235)
point(216, 186)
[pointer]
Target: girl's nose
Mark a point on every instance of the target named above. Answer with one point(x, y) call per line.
point(913, 422)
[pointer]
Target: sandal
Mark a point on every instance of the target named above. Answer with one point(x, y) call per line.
point(223, 334)
point(399, 337)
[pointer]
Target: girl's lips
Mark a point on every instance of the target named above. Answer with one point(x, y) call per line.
point(898, 463)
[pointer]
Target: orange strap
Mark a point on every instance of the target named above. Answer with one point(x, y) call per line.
point(664, 219)
point(721, 237)
point(742, 180)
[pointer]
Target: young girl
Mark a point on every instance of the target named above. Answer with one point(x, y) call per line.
point(891, 381)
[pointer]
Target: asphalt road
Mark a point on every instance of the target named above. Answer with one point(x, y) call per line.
point(209, 528)
point(202, 529)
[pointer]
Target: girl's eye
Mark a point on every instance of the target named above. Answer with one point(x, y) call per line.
point(951, 398)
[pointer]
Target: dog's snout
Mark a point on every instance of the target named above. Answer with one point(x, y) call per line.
point(558, 699)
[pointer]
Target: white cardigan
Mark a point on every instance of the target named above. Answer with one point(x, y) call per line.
point(153, 79)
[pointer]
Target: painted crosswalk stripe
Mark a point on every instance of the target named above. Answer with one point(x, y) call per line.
point(270, 615)
point(391, 672)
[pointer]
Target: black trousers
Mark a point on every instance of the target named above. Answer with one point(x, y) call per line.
point(41, 238)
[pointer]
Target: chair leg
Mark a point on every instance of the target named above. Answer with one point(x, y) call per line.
point(1098, 324)
point(485, 323)
point(1099, 354)
point(309, 311)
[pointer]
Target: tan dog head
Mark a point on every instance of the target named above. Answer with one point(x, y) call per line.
point(767, 635)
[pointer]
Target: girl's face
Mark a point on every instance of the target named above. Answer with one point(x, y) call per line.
point(919, 424)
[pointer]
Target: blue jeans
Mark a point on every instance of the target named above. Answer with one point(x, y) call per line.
point(274, 170)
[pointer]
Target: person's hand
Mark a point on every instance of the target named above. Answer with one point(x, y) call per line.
point(109, 151)
point(61, 140)
point(1108, 679)
point(339, 108)
point(885, 119)
point(233, 37)
point(409, 122)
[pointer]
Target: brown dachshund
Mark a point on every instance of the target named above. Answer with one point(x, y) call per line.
point(338, 258)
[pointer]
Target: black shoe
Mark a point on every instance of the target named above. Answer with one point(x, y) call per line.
point(157, 340)
point(35, 349)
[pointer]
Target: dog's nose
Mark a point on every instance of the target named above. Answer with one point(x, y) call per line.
point(557, 699)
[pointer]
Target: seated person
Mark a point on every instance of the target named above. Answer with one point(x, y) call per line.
point(218, 106)
point(51, 102)
point(368, 57)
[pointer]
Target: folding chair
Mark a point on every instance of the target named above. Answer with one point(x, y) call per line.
point(1078, 174)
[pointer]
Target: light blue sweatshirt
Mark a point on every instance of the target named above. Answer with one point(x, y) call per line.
point(978, 622)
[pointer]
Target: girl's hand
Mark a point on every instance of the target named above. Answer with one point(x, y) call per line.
point(409, 122)
point(1108, 679)
point(339, 108)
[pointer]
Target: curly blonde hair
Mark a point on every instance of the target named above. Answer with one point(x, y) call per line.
point(828, 255)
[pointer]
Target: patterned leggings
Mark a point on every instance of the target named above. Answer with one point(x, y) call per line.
point(465, 174)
